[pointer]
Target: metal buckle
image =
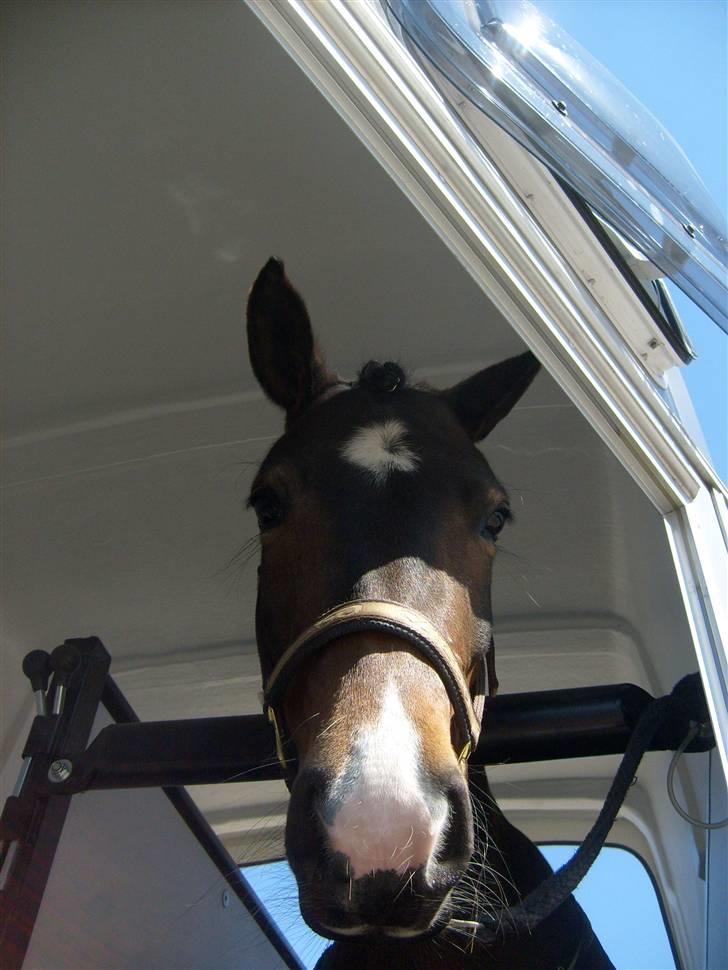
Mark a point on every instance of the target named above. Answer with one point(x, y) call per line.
point(279, 740)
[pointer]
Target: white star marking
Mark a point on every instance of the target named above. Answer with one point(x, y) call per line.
point(381, 449)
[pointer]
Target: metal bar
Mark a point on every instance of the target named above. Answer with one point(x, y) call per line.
point(536, 726)
point(31, 823)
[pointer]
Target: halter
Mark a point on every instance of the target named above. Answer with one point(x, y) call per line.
point(410, 625)
point(403, 622)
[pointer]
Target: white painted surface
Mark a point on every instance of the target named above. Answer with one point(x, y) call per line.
point(132, 889)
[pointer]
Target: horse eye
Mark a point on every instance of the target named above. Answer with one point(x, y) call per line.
point(267, 508)
point(494, 523)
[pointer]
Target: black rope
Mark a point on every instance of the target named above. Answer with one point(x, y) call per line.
point(541, 902)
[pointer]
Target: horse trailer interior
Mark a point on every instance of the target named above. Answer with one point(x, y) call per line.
point(155, 156)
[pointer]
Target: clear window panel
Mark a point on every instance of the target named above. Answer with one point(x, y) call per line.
point(275, 886)
point(620, 899)
point(617, 894)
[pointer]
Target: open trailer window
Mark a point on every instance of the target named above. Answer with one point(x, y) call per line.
point(618, 895)
point(621, 900)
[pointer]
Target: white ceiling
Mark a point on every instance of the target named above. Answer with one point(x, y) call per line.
point(155, 155)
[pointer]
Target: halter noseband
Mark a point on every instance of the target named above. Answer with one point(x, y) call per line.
point(383, 616)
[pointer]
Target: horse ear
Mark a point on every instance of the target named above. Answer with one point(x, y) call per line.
point(482, 400)
point(283, 354)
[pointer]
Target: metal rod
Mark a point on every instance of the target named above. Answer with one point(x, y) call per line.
point(59, 695)
point(40, 703)
point(22, 775)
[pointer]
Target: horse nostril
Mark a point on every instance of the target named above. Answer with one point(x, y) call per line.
point(306, 840)
point(457, 844)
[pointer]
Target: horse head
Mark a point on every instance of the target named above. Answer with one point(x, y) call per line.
point(378, 521)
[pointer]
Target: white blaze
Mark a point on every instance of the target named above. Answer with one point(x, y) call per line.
point(384, 821)
point(381, 449)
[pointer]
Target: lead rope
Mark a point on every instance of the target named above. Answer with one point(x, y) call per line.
point(556, 889)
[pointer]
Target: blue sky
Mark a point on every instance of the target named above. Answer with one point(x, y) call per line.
point(672, 55)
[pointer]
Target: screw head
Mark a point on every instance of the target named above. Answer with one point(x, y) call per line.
point(560, 107)
point(60, 770)
point(690, 229)
point(225, 898)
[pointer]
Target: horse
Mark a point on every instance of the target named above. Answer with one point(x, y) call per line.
point(379, 519)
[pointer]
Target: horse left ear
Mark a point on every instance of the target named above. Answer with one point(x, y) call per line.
point(283, 353)
point(484, 399)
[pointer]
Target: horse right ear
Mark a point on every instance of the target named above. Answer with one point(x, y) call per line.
point(484, 399)
point(283, 354)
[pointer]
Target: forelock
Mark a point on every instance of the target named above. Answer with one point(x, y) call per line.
point(384, 378)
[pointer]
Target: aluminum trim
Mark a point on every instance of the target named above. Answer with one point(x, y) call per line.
point(701, 565)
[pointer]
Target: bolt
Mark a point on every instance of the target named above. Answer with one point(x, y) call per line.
point(225, 898)
point(60, 770)
point(653, 344)
point(560, 107)
point(690, 229)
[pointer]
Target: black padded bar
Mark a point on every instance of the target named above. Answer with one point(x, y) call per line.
point(542, 725)
point(580, 722)
point(194, 751)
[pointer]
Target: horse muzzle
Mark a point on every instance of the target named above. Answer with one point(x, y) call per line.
point(380, 866)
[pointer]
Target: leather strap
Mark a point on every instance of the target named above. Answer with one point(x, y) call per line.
point(396, 620)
